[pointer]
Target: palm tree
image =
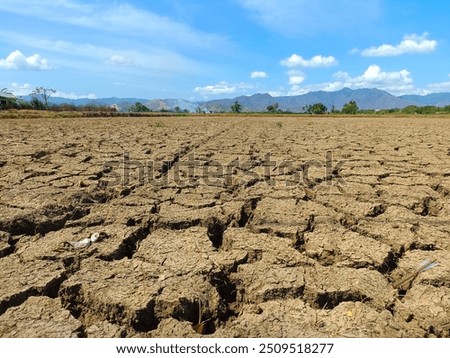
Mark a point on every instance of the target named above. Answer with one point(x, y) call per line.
point(5, 93)
point(7, 99)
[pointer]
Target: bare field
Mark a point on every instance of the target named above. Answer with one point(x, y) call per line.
point(224, 227)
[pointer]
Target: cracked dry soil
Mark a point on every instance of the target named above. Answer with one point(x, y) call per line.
point(209, 234)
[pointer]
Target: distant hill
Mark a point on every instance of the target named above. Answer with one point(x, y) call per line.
point(365, 98)
point(171, 104)
point(432, 99)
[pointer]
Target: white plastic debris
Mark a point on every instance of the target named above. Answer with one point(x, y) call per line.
point(84, 243)
point(95, 236)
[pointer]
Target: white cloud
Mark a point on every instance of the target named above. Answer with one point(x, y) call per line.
point(21, 90)
point(317, 61)
point(312, 17)
point(258, 74)
point(120, 18)
point(297, 90)
point(86, 56)
point(296, 77)
point(277, 93)
point(26, 89)
point(222, 87)
point(72, 95)
point(410, 44)
point(374, 75)
point(119, 60)
point(16, 60)
point(296, 80)
point(438, 87)
point(397, 83)
point(114, 39)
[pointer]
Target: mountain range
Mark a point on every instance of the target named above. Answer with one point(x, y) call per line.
point(365, 98)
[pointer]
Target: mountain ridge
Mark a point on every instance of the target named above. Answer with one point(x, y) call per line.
point(366, 98)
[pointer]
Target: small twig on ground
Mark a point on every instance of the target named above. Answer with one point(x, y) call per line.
point(424, 266)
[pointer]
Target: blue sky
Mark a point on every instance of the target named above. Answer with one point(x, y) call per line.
point(206, 49)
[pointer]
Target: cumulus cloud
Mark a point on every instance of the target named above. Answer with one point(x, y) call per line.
point(296, 80)
point(16, 60)
point(296, 77)
point(397, 82)
point(373, 75)
point(317, 61)
point(258, 74)
point(297, 90)
point(410, 44)
point(21, 90)
point(222, 87)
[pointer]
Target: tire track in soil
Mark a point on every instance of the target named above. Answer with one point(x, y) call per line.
point(203, 320)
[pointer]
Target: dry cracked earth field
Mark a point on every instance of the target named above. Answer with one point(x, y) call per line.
point(225, 227)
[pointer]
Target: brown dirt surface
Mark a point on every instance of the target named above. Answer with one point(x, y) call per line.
point(224, 227)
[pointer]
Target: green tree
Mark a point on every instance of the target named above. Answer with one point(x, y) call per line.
point(273, 108)
point(446, 109)
point(236, 107)
point(350, 108)
point(139, 107)
point(177, 109)
point(316, 108)
point(36, 103)
point(40, 97)
point(412, 109)
point(427, 110)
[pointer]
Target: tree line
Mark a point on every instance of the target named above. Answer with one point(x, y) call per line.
point(40, 100)
point(316, 108)
point(350, 107)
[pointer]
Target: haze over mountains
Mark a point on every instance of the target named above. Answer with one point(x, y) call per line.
point(365, 99)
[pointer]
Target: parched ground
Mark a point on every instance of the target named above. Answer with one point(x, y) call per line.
point(225, 227)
